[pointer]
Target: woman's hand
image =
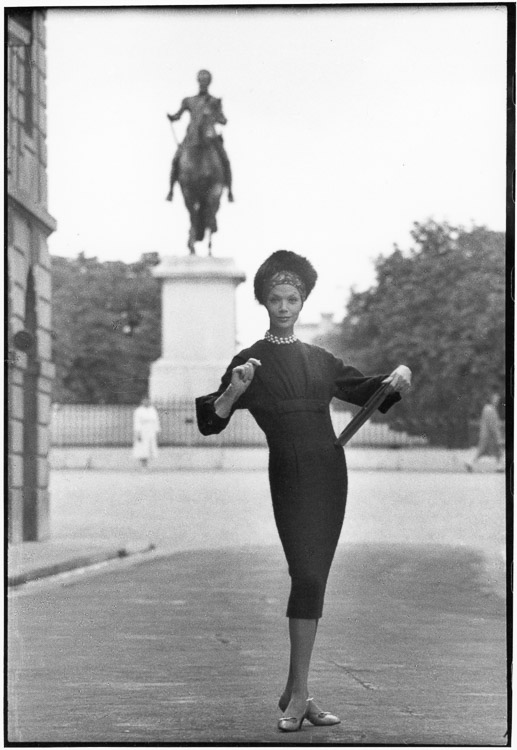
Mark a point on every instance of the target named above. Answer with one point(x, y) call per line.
point(242, 375)
point(400, 379)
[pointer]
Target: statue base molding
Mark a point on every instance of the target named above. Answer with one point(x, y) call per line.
point(198, 325)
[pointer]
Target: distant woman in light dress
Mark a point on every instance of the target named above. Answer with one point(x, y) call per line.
point(490, 434)
point(146, 427)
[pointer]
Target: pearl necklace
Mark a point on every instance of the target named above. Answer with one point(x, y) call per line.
point(280, 339)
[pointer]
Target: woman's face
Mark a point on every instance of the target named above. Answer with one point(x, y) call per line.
point(283, 304)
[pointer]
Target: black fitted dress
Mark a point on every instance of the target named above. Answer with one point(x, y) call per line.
point(289, 398)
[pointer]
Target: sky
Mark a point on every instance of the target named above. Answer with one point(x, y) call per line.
point(345, 126)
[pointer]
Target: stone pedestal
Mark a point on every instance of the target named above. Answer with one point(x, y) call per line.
point(198, 325)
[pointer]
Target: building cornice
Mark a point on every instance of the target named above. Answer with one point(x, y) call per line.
point(21, 200)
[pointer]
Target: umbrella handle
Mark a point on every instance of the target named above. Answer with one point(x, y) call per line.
point(362, 416)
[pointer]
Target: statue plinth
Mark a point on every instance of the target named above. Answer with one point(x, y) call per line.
point(198, 325)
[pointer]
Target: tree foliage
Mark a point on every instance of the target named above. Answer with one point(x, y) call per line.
point(106, 320)
point(439, 308)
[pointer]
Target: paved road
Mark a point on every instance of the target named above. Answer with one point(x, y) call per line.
point(192, 648)
point(195, 509)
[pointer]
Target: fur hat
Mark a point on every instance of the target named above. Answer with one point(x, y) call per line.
point(284, 261)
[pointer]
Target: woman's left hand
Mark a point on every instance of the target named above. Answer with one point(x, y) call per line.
point(400, 379)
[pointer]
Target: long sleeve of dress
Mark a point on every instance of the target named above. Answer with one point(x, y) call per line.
point(208, 421)
point(351, 385)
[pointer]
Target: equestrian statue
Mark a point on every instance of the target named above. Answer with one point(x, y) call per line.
point(201, 164)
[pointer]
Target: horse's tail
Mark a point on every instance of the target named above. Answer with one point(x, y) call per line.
point(199, 224)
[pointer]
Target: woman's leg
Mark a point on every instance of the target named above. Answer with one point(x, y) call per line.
point(302, 634)
point(469, 465)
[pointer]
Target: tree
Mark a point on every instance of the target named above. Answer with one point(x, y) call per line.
point(440, 309)
point(106, 328)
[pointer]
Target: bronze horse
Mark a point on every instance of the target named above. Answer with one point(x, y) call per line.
point(201, 178)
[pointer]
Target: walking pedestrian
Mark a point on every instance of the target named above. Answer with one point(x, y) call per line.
point(287, 386)
point(146, 426)
point(491, 439)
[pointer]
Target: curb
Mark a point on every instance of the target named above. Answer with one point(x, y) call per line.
point(83, 561)
point(215, 458)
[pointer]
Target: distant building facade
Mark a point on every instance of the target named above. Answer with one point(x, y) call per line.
point(30, 370)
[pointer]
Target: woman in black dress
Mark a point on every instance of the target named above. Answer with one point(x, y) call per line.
point(287, 386)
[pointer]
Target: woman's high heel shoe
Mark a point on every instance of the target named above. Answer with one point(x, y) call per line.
point(322, 718)
point(293, 723)
point(317, 718)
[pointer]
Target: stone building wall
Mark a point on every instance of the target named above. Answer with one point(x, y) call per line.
point(29, 289)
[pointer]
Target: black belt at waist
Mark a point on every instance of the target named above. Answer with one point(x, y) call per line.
point(299, 405)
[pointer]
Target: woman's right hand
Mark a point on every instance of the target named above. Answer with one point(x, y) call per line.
point(242, 375)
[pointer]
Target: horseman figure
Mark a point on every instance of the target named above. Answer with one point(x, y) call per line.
point(205, 111)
